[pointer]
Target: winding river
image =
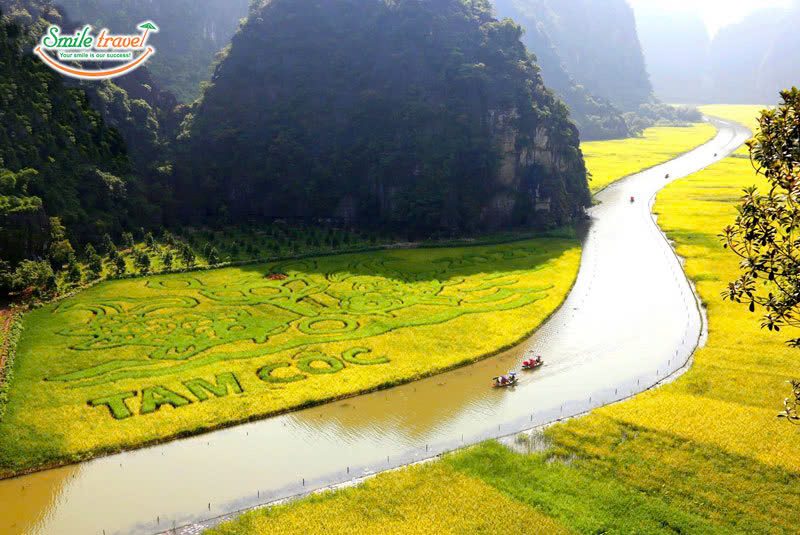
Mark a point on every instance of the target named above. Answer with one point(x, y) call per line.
point(631, 321)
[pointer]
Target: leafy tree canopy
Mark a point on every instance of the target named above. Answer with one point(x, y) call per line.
point(766, 233)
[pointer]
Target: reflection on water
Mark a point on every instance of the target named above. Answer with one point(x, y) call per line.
point(418, 409)
point(26, 502)
point(630, 319)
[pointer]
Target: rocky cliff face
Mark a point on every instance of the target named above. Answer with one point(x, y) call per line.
point(530, 171)
point(426, 115)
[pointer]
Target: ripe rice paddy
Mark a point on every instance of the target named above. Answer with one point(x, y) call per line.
point(429, 499)
point(141, 360)
point(705, 454)
point(608, 161)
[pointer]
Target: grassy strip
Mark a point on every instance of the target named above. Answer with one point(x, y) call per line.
point(609, 161)
point(564, 233)
point(578, 499)
point(428, 499)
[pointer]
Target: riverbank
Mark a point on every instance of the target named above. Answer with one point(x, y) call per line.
point(121, 364)
point(610, 161)
point(370, 433)
point(683, 456)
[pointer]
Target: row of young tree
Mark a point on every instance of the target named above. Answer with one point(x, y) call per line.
point(65, 267)
point(62, 269)
point(414, 153)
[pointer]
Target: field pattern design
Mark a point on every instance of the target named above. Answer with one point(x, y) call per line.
point(189, 322)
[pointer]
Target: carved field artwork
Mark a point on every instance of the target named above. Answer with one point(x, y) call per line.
point(140, 360)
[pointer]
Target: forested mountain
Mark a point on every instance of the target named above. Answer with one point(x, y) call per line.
point(677, 52)
point(596, 41)
point(422, 115)
point(57, 157)
point(590, 54)
point(191, 33)
point(596, 117)
point(117, 176)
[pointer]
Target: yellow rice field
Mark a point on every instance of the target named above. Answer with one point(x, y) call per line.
point(738, 380)
point(432, 499)
point(710, 439)
point(705, 454)
point(608, 161)
point(147, 359)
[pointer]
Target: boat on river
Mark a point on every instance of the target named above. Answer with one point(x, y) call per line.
point(532, 363)
point(505, 381)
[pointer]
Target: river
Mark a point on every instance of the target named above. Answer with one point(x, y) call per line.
point(631, 321)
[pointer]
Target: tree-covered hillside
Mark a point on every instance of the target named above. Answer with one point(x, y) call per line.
point(191, 33)
point(418, 114)
point(596, 117)
point(57, 157)
point(590, 54)
point(596, 42)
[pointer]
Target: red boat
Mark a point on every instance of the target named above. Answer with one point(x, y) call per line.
point(532, 364)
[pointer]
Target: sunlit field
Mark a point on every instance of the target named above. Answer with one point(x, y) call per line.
point(712, 437)
point(430, 499)
point(705, 454)
point(135, 361)
point(741, 113)
point(608, 161)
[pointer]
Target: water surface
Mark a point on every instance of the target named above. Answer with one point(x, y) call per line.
point(630, 321)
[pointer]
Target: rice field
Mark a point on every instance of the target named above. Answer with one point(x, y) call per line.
point(141, 360)
point(705, 454)
point(608, 161)
point(429, 499)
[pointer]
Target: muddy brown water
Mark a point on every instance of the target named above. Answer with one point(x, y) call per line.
point(630, 321)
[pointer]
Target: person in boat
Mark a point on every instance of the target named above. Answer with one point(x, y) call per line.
point(533, 362)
